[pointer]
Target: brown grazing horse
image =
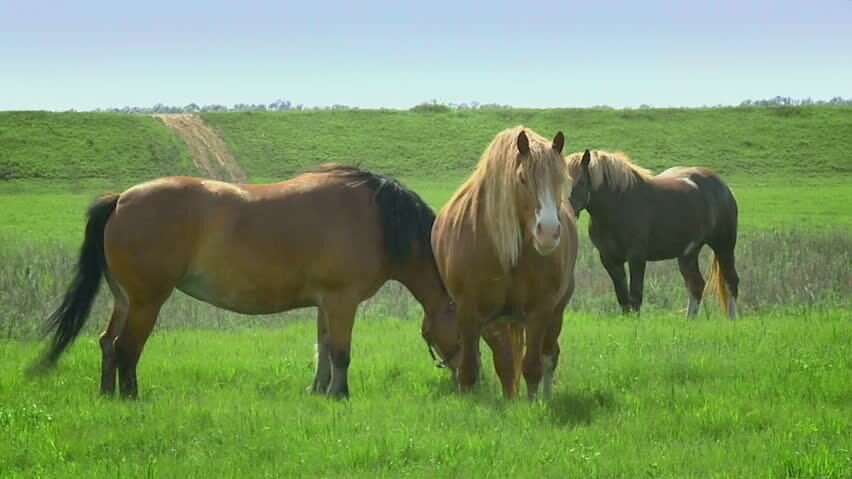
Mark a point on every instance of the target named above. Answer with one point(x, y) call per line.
point(506, 244)
point(636, 217)
point(327, 238)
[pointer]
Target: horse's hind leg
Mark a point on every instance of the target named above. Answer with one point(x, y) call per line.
point(728, 270)
point(107, 342)
point(340, 316)
point(694, 282)
point(107, 338)
point(140, 320)
point(322, 375)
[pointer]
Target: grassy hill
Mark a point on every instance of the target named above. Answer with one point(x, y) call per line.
point(790, 143)
point(788, 166)
point(75, 146)
point(779, 142)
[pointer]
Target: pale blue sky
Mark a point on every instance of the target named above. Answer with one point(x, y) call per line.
point(61, 54)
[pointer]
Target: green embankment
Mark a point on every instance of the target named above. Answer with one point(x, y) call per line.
point(761, 144)
point(62, 149)
point(788, 166)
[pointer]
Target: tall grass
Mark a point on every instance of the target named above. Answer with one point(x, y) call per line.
point(784, 269)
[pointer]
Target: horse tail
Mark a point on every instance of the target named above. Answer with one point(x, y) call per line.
point(66, 322)
point(715, 281)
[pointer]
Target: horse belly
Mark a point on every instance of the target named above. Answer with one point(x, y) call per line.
point(247, 294)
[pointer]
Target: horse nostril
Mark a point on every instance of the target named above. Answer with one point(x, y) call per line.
point(538, 228)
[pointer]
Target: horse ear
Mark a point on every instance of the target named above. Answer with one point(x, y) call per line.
point(523, 143)
point(587, 158)
point(558, 142)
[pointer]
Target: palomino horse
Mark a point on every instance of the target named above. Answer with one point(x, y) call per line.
point(506, 244)
point(637, 217)
point(327, 238)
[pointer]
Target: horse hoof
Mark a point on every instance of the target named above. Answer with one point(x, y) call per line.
point(340, 396)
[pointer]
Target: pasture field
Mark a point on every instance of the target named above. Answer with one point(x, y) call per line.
point(769, 395)
point(766, 397)
point(37, 212)
point(786, 144)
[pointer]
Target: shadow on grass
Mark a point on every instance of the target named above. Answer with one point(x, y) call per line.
point(567, 408)
point(574, 408)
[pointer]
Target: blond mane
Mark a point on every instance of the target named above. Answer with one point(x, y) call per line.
point(616, 168)
point(492, 188)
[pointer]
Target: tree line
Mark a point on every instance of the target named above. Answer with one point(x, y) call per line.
point(432, 106)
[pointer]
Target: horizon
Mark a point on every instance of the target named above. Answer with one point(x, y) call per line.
point(387, 56)
point(153, 109)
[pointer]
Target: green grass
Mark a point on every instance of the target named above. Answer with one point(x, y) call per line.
point(222, 394)
point(33, 213)
point(768, 396)
point(789, 167)
point(783, 143)
point(812, 204)
point(76, 146)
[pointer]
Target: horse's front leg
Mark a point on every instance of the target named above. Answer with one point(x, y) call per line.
point(536, 327)
point(468, 370)
point(340, 317)
point(506, 340)
point(637, 280)
point(550, 353)
point(615, 269)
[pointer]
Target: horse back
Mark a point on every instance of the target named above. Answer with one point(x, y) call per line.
point(269, 247)
point(699, 199)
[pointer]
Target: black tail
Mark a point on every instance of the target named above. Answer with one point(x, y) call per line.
point(68, 319)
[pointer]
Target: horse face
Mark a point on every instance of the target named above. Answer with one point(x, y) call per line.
point(581, 192)
point(540, 197)
point(441, 333)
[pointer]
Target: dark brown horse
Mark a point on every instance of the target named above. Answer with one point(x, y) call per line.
point(636, 217)
point(328, 238)
point(506, 244)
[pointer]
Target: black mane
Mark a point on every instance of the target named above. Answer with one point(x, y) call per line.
point(405, 217)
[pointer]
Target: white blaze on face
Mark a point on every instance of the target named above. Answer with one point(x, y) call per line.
point(547, 228)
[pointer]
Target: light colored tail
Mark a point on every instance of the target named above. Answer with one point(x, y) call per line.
point(717, 282)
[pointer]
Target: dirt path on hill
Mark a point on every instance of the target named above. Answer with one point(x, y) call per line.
point(208, 151)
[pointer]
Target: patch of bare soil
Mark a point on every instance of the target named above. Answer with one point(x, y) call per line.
point(208, 151)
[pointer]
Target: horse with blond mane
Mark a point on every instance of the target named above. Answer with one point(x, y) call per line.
point(505, 245)
point(636, 217)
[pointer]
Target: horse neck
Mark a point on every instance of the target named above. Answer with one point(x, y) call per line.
point(419, 274)
point(605, 199)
